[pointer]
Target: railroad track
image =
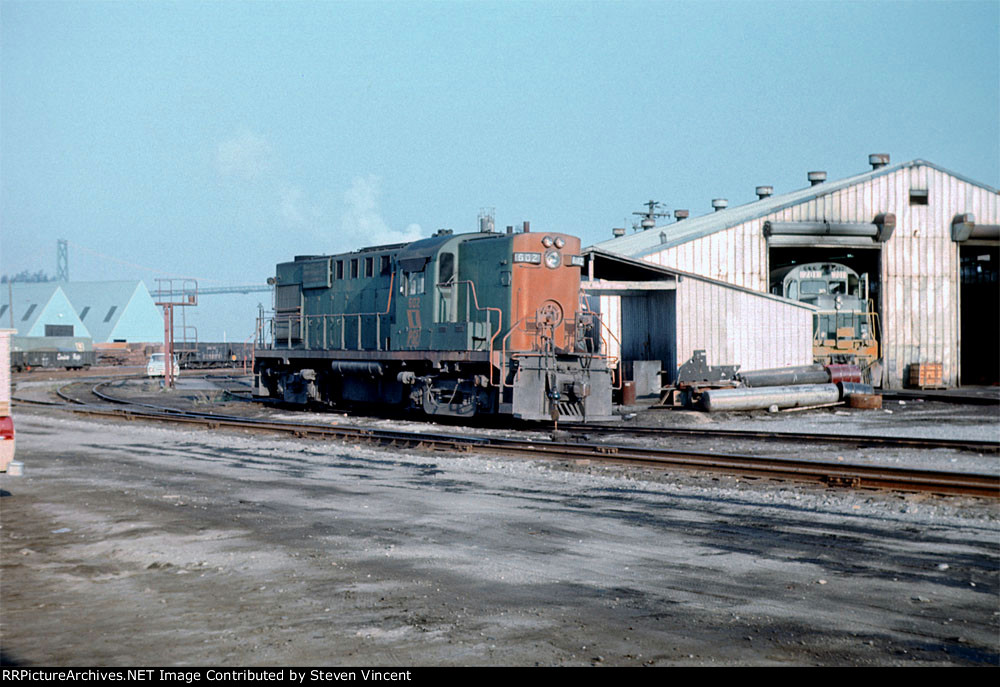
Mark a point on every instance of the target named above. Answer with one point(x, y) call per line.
point(836, 474)
point(978, 446)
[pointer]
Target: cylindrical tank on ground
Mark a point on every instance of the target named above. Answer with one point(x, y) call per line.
point(628, 394)
point(844, 373)
point(851, 388)
point(782, 396)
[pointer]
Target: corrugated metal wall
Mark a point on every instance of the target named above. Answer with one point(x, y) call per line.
point(732, 326)
point(920, 268)
point(737, 255)
point(735, 327)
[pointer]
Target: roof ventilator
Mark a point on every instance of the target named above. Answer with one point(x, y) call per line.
point(816, 178)
point(878, 160)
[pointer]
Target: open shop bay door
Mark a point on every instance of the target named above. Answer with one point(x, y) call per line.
point(979, 299)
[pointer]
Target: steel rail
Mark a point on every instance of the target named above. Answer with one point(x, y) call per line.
point(978, 446)
point(833, 474)
point(830, 474)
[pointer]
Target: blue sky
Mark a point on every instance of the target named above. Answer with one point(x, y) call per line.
point(213, 140)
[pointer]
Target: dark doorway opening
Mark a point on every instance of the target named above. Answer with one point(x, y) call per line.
point(980, 294)
point(861, 260)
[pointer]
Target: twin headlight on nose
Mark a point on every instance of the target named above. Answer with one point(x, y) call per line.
point(553, 258)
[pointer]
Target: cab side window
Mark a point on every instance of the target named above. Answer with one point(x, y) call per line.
point(446, 268)
point(414, 283)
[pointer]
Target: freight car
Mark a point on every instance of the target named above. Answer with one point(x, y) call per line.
point(845, 327)
point(206, 354)
point(456, 324)
point(70, 352)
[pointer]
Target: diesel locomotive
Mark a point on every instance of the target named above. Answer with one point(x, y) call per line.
point(456, 325)
point(845, 327)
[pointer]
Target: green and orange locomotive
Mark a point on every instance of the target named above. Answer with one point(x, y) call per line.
point(456, 324)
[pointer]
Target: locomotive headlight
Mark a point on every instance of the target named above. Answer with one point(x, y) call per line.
point(559, 242)
point(547, 242)
point(552, 259)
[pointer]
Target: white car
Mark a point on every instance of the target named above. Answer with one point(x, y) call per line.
point(156, 367)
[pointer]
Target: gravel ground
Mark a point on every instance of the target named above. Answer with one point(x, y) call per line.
point(132, 544)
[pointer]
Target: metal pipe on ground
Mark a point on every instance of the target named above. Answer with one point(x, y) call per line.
point(785, 376)
point(715, 400)
point(851, 388)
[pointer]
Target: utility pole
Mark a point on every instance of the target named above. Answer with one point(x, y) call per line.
point(169, 296)
point(649, 217)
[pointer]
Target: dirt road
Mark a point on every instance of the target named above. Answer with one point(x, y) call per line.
point(127, 544)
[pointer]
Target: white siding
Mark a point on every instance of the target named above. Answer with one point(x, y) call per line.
point(732, 326)
point(735, 327)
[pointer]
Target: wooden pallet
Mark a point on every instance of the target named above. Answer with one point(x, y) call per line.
point(927, 376)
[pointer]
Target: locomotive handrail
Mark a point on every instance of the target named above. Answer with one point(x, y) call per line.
point(475, 302)
point(252, 341)
point(526, 354)
point(616, 358)
point(503, 357)
point(304, 320)
point(876, 326)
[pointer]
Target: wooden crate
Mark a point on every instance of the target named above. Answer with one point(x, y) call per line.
point(927, 376)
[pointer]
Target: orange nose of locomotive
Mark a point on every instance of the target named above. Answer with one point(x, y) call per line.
point(545, 295)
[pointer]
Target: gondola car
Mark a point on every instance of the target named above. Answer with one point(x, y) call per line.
point(201, 355)
point(69, 352)
point(455, 324)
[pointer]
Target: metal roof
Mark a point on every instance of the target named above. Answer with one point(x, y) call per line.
point(104, 305)
point(646, 270)
point(37, 304)
point(650, 241)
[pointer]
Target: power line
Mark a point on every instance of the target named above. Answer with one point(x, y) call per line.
point(140, 267)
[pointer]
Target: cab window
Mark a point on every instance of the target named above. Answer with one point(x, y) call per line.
point(446, 268)
point(414, 283)
point(813, 286)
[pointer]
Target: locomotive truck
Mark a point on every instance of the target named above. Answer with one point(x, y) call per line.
point(456, 324)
